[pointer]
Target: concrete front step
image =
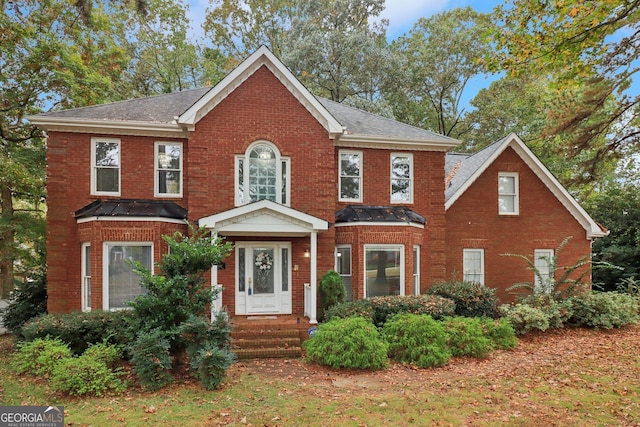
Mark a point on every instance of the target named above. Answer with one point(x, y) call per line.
point(255, 343)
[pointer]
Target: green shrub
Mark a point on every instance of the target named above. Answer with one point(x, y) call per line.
point(357, 308)
point(85, 375)
point(386, 307)
point(80, 329)
point(500, 332)
point(558, 312)
point(331, 291)
point(40, 356)
point(525, 318)
point(209, 365)
point(471, 299)
point(417, 339)
point(604, 309)
point(27, 300)
point(347, 343)
point(151, 359)
point(466, 337)
point(108, 354)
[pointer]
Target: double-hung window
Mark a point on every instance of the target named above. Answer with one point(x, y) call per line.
point(343, 267)
point(105, 166)
point(401, 178)
point(508, 203)
point(543, 260)
point(473, 265)
point(168, 169)
point(350, 176)
point(262, 174)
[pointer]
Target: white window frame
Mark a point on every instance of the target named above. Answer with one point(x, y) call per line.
point(409, 158)
point(105, 268)
point(94, 167)
point(157, 169)
point(515, 195)
point(85, 293)
point(541, 256)
point(342, 274)
point(416, 269)
point(359, 176)
point(466, 270)
point(384, 247)
point(283, 167)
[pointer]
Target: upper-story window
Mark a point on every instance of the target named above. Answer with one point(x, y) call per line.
point(350, 176)
point(401, 178)
point(262, 174)
point(105, 166)
point(508, 193)
point(168, 169)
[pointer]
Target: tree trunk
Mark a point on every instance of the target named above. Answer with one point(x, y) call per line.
point(7, 235)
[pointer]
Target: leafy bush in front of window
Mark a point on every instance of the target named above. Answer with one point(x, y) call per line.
point(604, 309)
point(525, 318)
point(353, 342)
point(79, 329)
point(357, 308)
point(557, 311)
point(331, 291)
point(86, 375)
point(417, 339)
point(27, 300)
point(466, 337)
point(500, 332)
point(471, 299)
point(435, 306)
point(40, 356)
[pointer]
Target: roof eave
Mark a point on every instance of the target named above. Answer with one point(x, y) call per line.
point(112, 127)
point(413, 144)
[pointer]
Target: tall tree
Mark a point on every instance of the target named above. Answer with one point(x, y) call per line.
point(442, 54)
point(49, 58)
point(592, 50)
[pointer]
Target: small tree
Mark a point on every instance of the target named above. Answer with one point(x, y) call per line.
point(331, 291)
point(175, 297)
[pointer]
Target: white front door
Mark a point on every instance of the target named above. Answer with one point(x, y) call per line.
point(263, 274)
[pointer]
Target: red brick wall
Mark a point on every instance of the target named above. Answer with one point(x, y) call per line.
point(473, 222)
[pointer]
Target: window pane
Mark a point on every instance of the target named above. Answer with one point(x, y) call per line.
point(285, 269)
point(124, 284)
point(506, 185)
point(350, 188)
point(350, 174)
point(263, 272)
point(107, 179)
point(507, 204)
point(382, 272)
point(343, 263)
point(107, 154)
point(241, 269)
point(262, 173)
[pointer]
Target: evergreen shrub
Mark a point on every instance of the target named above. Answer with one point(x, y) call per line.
point(466, 337)
point(331, 291)
point(417, 339)
point(471, 299)
point(27, 300)
point(500, 332)
point(604, 309)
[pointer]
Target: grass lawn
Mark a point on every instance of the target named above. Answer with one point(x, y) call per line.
point(572, 377)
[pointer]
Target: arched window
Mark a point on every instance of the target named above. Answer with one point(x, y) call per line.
point(262, 174)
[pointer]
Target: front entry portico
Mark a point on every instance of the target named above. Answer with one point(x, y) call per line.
point(263, 267)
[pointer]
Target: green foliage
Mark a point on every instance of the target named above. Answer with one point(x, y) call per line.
point(558, 312)
point(108, 354)
point(210, 363)
point(500, 332)
point(331, 291)
point(40, 356)
point(28, 300)
point(151, 359)
point(386, 307)
point(85, 375)
point(417, 339)
point(79, 330)
point(525, 318)
point(471, 299)
point(466, 337)
point(347, 343)
point(604, 309)
point(356, 308)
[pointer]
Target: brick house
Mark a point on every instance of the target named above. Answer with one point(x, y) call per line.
point(301, 185)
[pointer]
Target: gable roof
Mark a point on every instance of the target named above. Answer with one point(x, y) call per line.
point(176, 114)
point(461, 171)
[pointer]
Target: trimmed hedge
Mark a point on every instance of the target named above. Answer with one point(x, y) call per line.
point(417, 339)
point(471, 299)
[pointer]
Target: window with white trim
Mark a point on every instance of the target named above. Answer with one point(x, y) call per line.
point(508, 193)
point(416, 269)
point(262, 174)
point(473, 265)
point(343, 267)
point(121, 284)
point(384, 270)
point(350, 176)
point(543, 260)
point(86, 277)
point(401, 178)
point(168, 169)
point(105, 166)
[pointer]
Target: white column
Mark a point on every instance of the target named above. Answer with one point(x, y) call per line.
point(314, 275)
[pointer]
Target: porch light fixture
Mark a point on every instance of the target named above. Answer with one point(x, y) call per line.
point(306, 253)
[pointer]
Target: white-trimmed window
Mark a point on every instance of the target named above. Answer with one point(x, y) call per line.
point(383, 270)
point(121, 284)
point(262, 174)
point(343, 267)
point(508, 203)
point(473, 265)
point(416, 269)
point(543, 259)
point(401, 178)
point(350, 176)
point(105, 166)
point(86, 276)
point(168, 169)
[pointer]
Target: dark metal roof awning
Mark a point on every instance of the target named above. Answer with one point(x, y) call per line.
point(132, 208)
point(353, 213)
